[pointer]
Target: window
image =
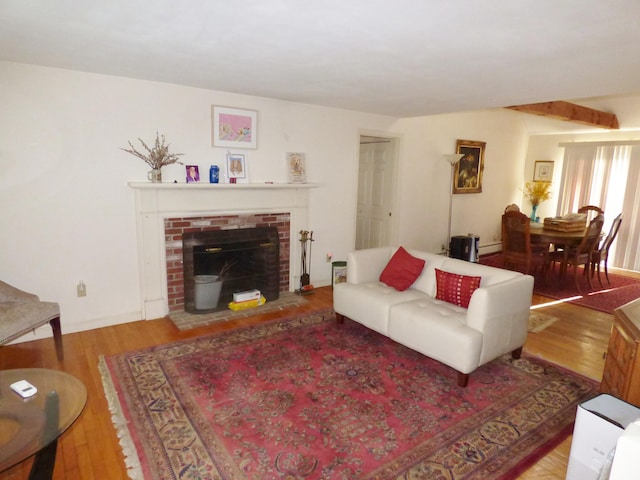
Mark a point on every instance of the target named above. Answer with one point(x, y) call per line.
point(606, 175)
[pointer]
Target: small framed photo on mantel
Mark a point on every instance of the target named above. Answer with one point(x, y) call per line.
point(237, 168)
point(296, 167)
point(193, 173)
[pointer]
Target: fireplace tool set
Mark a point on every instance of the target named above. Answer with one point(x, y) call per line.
point(306, 239)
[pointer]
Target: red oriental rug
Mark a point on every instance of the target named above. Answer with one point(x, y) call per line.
point(604, 298)
point(308, 398)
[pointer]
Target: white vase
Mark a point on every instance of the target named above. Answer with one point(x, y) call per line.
point(155, 175)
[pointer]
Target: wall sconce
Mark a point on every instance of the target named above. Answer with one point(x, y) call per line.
point(451, 159)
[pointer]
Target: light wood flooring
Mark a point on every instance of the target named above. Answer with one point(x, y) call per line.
point(90, 449)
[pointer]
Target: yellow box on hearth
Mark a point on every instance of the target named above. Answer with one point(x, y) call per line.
point(235, 306)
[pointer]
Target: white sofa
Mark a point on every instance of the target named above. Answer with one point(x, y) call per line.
point(495, 322)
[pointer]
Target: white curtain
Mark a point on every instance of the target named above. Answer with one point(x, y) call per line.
point(606, 175)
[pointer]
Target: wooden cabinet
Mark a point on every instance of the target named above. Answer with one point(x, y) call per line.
point(621, 376)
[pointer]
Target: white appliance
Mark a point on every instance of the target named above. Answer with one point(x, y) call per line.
point(599, 424)
point(625, 462)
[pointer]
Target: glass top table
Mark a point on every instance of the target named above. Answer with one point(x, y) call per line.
point(32, 425)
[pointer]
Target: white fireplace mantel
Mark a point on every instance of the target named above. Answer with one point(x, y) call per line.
point(157, 201)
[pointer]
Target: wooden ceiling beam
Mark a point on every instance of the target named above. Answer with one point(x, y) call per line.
point(571, 112)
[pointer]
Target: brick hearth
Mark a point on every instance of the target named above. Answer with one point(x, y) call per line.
point(176, 226)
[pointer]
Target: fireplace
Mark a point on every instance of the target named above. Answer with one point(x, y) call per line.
point(175, 229)
point(247, 259)
point(164, 211)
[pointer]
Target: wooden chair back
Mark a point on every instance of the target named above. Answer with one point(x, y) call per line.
point(516, 243)
point(512, 207)
point(611, 236)
point(516, 233)
point(591, 238)
point(591, 211)
point(601, 254)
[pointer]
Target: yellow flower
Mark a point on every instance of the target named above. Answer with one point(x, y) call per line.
point(537, 192)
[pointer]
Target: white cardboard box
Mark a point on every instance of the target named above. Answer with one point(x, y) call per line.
point(599, 423)
point(246, 296)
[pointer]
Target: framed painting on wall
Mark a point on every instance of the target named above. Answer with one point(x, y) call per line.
point(467, 175)
point(543, 171)
point(234, 127)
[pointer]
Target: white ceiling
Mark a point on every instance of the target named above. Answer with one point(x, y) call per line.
point(393, 57)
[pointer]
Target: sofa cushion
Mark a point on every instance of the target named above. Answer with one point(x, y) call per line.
point(438, 330)
point(369, 303)
point(455, 288)
point(402, 270)
point(426, 282)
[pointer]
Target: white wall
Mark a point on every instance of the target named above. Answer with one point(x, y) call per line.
point(67, 212)
point(68, 215)
point(426, 177)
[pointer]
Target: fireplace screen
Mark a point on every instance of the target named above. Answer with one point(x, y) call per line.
point(243, 259)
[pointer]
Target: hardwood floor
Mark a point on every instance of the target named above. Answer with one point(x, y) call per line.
point(90, 448)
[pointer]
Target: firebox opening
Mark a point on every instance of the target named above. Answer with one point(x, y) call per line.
point(247, 258)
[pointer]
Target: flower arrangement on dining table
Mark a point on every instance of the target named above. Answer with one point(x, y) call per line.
point(537, 192)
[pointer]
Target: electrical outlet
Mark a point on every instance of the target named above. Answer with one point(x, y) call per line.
point(82, 289)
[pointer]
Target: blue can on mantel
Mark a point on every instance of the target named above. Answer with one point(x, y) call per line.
point(214, 174)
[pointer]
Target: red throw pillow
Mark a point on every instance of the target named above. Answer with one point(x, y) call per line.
point(402, 270)
point(454, 288)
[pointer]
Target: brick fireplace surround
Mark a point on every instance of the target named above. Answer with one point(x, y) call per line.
point(175, 227)
point(209, 206)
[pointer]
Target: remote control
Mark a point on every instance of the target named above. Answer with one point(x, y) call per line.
point(24, 389)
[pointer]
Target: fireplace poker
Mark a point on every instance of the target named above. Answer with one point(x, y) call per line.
point(305, 282)
point(309, 260)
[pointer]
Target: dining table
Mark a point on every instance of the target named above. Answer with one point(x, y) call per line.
point(562, 241)
point(541, 234)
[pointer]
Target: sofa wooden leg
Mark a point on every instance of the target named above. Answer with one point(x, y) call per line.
point(339, 318)
point(57, 336)
point(463, 379)
point(517, 353)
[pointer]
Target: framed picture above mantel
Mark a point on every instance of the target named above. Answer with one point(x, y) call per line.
point(467, 175)
point(234, 127)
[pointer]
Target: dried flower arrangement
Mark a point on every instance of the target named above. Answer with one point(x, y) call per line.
point(537, 192)
point(156, 157)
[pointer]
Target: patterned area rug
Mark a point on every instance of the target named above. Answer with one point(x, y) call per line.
point(605, 298)
point(307, 398)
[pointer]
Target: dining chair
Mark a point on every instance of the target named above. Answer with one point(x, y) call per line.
point(601, 252)
point(581, 254)
point(591, 211)
point(516, 244)
point(512, 207)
